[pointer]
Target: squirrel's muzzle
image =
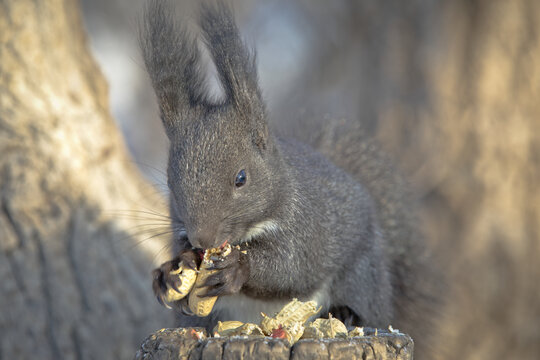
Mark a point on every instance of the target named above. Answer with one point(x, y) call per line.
point(203, 238)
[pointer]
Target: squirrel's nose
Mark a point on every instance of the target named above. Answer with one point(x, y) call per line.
point(203, 239)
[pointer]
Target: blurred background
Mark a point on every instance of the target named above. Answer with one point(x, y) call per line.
point(451, 91)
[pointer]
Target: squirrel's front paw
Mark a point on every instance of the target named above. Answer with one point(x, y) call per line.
point(232, 273)
point(166, 276)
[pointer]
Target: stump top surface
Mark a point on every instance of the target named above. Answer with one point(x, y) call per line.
point(194, 344)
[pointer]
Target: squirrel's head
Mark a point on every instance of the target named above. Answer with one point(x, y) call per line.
point(222, 161)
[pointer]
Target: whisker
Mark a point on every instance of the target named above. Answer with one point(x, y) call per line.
point(166, 247)
point(129, 212)
point(135, 235)
point(163, 224)
point(149, 231)
point(133, 246)
point(161, 172)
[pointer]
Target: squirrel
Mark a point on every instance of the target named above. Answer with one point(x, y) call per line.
point(333, 225)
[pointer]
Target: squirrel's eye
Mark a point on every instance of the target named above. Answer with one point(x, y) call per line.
point(240, 178)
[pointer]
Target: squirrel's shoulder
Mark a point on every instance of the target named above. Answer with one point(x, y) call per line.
point(313, 170)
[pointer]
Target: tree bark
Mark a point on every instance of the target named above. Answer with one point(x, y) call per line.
point(76, 243)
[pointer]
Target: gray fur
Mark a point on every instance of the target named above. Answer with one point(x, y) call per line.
point(324, 233)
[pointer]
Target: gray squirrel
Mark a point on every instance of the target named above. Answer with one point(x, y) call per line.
point(333, 225)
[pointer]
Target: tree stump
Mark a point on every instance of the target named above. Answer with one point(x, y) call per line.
point(194, 344)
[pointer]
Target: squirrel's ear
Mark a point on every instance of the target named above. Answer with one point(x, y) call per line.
point(171, 58)
point(236, 67)
point(235, 63)
point(260, 135)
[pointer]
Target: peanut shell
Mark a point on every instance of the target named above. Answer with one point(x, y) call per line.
point(357, 331)
point(237, 328)
point(293, 312)
point(326, 328)
point(296, 330)
point(202, 306)
point(268, 324)
point(188, 277)
point(297, 312)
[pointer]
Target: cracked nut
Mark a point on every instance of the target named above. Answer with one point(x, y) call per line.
point(202, 306)
point(187, 277)
point(325, 328)
point(236, 328)
point(294, 312)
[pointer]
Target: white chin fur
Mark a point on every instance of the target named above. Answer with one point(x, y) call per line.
point(267, 226)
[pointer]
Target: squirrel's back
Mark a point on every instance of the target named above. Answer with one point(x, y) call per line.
point(417, 283)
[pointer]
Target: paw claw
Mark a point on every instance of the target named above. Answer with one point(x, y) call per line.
point(162, 302)
point(187, 311)
point(176, 285)
point(166, 277)
point(213, 280)
point(216, 291)
point(190, 258)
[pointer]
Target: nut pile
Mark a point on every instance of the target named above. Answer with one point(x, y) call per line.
point(291, 323)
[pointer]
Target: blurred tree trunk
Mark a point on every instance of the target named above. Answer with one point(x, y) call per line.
point(74, 284)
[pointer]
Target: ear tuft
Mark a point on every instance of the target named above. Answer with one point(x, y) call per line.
point(261, 140)
point(235, 63)
point(171, 58)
